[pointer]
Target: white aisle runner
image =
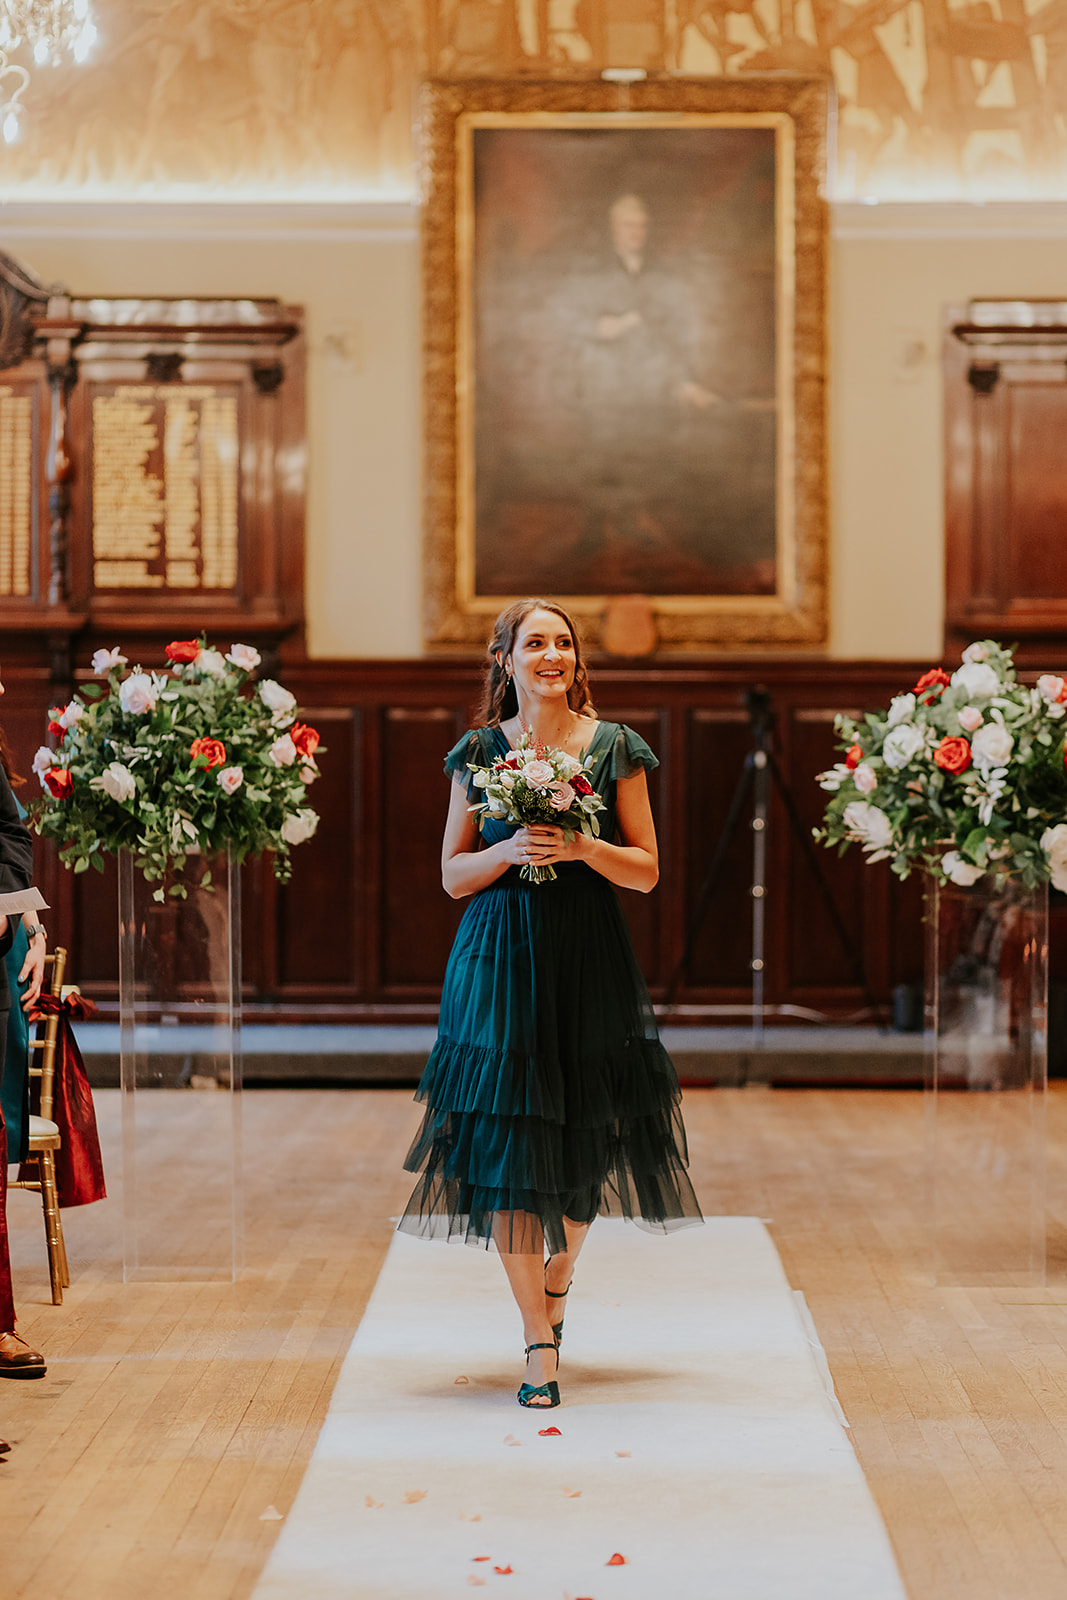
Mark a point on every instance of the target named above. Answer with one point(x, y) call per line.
point(697, 1440)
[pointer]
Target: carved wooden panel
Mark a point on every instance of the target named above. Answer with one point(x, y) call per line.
point(1006, 475)
point(152, 471)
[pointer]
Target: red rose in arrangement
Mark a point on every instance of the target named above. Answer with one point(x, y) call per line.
point(55, 727)
point(182, 650)
point(60, 782)
point(853, 756)
point(580, 785)
point(307, 740)
point(953, 755)
point(932, 683)
point(213, 750)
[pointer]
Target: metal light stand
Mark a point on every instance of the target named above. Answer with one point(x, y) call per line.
point(758, 771)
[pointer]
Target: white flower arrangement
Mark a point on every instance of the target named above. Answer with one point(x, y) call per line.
point(973, 761)
point(166, 763)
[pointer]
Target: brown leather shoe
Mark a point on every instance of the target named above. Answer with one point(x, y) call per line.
point(17, 1360)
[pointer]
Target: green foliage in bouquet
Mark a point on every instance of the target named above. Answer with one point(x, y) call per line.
point(962, 776)
point(193, 759)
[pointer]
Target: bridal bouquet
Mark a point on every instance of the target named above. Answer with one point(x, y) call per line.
point(192, 759)
point(962, 775)
point(537, 784)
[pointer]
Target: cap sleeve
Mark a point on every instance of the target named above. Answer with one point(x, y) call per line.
point(630, 754)
point(471, 747)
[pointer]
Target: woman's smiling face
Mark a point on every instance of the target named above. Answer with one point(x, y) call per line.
point(543, 659)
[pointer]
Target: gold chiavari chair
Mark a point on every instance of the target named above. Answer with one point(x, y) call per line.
point(44, 1139)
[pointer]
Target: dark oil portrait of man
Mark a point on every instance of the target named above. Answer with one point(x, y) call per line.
point(624, 321)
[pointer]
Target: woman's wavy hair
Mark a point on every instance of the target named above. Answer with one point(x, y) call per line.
point(15, 779)
point(499, 699)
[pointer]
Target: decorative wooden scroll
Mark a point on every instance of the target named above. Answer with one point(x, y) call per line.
point(1006, 476)
point(152, 467)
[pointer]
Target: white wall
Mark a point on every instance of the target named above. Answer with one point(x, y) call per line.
point(355, 269)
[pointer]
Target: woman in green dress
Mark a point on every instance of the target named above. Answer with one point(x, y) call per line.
point(549, 1097)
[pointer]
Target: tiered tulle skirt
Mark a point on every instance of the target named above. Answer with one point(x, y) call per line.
point(548, 1093)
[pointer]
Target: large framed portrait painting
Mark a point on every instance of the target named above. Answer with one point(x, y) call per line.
point(624, 300)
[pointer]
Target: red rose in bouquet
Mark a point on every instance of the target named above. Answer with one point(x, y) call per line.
point(213, 750)
point(931, 684)
point(953, 755)
point(580, 785)
point(55, 727)
point(307, 740)
point(853, 756)
point(182, 650)
point(60, 782)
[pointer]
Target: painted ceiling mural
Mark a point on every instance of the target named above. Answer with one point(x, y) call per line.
point(945, 99)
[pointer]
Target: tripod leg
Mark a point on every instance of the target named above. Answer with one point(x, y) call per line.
point(851, 953)
point(707, 888)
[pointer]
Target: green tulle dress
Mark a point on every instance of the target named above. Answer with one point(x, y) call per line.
point(548, 1093)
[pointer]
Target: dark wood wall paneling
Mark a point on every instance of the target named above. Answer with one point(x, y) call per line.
point(364, 928)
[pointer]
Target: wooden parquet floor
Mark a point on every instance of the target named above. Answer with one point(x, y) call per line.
point(174, 1415)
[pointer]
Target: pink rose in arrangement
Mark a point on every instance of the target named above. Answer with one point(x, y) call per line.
point(560, 796)
point(865, 778)
point(1052, 688)
point(230, 779)
point(970, 718)
point(539, 774)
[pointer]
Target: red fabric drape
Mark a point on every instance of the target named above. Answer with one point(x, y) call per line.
point(79, 1165)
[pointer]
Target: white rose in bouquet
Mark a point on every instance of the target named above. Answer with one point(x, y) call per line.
point(300, 826)
point(992, 746)
point(901, 745)
point(1051, 688)
point(278, 701)
point(283, 751)
point(979, 680)
point(244, 656)
point(959, 871)
point(865, 778)
point(870, 824)
point(44, 759)
point(900, 709)
point(138, 693)
point(976, 652)
point(212, 663)
point(538, 774)
point(104, 660)
point(118, 781)
point(1054, 844)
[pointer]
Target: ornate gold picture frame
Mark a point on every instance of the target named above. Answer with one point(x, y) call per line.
point(624, 293)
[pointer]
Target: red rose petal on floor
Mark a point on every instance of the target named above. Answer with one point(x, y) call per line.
point(461, 1380)
point(624, 1452)
point(481, 1558)
point(573, 1494)
point(546, 1433)
point(413, 1496)
point(617, 1561)
point(502, 1570)
point(509, 1438)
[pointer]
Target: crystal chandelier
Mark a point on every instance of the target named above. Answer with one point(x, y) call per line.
point(50, 30)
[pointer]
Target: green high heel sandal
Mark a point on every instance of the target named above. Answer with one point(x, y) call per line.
point(529, 1393)
point(561, 1294)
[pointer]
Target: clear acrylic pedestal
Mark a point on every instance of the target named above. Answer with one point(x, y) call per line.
point(987, 1081)
point(180, 1015)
